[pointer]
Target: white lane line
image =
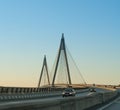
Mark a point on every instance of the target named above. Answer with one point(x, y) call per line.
point(90, 93)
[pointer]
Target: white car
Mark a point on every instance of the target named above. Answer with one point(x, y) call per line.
point(68, 92)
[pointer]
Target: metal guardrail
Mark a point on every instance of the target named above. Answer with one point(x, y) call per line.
point(26, 90)
point(12, 90)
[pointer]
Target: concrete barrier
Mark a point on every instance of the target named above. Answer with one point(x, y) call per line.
point(69, 103)
point(109, 95)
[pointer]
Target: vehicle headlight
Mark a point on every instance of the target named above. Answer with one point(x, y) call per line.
point(63, 93)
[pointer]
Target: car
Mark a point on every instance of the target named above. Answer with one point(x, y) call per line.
point(68, 92)
point(92, 90)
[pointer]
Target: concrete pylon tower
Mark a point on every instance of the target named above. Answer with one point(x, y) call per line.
point(62, 48)
point(42, 71)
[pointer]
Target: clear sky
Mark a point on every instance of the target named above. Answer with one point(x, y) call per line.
point(31, 28)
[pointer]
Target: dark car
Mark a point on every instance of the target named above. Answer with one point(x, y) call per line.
point(92, 90)
point(68, 92)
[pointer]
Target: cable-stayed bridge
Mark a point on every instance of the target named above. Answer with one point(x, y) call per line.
point(64, 72)
point(47, 95)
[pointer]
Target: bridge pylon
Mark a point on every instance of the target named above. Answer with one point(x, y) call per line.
point(63, 49)
point(44, 67)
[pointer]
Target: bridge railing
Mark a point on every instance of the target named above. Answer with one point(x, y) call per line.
point(14, 90)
